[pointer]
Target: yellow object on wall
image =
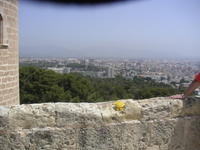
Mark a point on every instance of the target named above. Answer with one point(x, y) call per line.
point(119, 105)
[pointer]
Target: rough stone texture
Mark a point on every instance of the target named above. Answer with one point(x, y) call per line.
point(9, 82)
point(150, 124)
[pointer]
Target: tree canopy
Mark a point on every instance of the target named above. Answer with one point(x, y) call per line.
point(40, 85)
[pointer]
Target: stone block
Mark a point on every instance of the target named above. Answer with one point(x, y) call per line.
point(101, 138)
point(77, 115)
point(31, 116)
point(132, 111)
point(4, 118)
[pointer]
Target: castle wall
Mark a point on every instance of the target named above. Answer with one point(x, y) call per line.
point(151, 124)
point(9, 75)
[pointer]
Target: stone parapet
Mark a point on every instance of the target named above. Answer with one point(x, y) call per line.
point(150, 124)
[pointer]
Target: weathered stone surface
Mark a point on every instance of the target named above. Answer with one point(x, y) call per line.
point(159, 108)
point(9, 64)
point(150, 124)
point(191, 107)
point(4, 117)
point(32, 116)
point(77, 115)
point(110, 115)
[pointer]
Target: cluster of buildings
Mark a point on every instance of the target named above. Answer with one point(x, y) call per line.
point(176, 72)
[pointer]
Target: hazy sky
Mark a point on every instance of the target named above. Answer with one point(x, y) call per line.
point(146, 28)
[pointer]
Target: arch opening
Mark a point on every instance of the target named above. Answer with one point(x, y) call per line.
point(1, 29)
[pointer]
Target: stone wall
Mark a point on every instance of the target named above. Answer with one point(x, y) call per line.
point(9, 86)
point(151, 124)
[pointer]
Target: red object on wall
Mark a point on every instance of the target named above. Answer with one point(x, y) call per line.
point(197, 77)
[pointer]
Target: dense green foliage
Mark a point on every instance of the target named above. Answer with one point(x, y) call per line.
point(40, 85)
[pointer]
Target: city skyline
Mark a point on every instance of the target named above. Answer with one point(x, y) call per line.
point(142, 29)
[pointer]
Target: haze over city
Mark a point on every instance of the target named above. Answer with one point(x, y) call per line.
point(143, 28)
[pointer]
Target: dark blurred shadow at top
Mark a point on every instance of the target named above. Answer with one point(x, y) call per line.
point(79, 2)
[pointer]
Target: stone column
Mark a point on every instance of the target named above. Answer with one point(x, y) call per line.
point(9, 61)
